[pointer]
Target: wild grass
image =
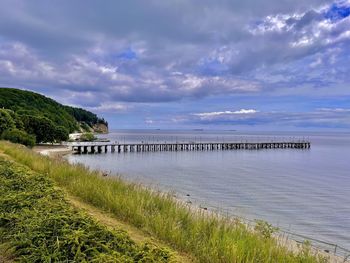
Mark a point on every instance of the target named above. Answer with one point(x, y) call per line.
point(208, 237)
point(38, 225)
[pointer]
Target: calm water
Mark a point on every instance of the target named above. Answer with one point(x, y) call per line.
point(306, 191)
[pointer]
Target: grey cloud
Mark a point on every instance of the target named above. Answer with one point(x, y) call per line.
point(73, 46)
point(326, 117)
point(105, 81)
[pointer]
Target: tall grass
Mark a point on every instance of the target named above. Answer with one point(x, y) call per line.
point(37, 224)
point(208, 237)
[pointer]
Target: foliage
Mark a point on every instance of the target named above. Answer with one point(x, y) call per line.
point(264, 228)
point(43, 128)
point(85, 127)
point(61, 134)
point(16, 118)
point(208, 237)
point(87, 137)
point(85, 116)
point(38, 225)
point(39, 127)
point(18, 136)
point(6, 121)
point(29, 103)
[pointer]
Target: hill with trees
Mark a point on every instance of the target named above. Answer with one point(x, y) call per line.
point(27, 116)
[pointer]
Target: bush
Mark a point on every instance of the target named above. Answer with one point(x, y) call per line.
point(265, 229)
point(6, 121)
point(85, 127)
point(18, 136)
point(61, 134)
point(87, 137)
point(44, 129)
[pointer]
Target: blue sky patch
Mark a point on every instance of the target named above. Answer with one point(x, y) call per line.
point(337, 12)
point(212, 67)
point(128, 54)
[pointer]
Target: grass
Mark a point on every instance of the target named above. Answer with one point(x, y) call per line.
point(38, 225)
point(208, 237)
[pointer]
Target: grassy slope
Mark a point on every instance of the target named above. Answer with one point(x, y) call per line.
point(209, 238)
point(38, 225)
point(137, 235)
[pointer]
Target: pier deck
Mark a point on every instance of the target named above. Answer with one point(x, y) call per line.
point(100, 147)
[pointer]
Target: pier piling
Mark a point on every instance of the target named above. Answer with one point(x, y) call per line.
point(98, 147)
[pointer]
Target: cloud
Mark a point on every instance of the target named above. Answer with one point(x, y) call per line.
point(206, 115)
point(338, 110)
point(109, 107)
point(107, 55)
point(108, 81)
point(320, 118)
point(149, 121)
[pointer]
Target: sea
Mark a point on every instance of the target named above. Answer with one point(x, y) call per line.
point(302, 191)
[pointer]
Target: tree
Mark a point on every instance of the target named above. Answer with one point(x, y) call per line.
point(18, 136)
point(24, 102)
point(43, 128)
point(6, 121)
point(16, 119)
point(61, 134)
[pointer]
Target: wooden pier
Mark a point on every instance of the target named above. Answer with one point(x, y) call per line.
point(103, 147)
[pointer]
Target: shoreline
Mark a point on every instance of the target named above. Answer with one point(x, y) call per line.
point(282, 238)
point(52, 150)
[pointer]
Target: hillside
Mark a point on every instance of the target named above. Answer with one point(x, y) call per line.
point(42, 117)
point(30, 103)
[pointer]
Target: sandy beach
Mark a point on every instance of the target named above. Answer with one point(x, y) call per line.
point(52, 150)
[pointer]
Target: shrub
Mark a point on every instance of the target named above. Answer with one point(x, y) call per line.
point(44, 129)
point(87, 137)
point(264, 228)
point(85, 127)
point(61, 134)
point(6, 121)
point(18, 136)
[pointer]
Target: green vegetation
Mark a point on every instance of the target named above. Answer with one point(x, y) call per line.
point(208, 237)
point(44, 129)
point(87, 137)
point(264, 228)
point(38, 225)
point(18, 136)
point(42, 117)
point(84, 116)
point(6, 121)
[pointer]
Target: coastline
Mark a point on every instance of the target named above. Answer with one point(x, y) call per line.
point(52, 150)
point(57, 151)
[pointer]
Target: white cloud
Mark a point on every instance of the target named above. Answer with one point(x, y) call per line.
point(322, 118)
point(206, 115)
point(274, 23)
point(109, 107)
point(149, 121)
point(338, 110)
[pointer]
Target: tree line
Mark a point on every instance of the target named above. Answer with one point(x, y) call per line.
point(28, 118)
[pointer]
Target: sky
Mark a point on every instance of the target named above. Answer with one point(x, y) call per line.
point(184, 64)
